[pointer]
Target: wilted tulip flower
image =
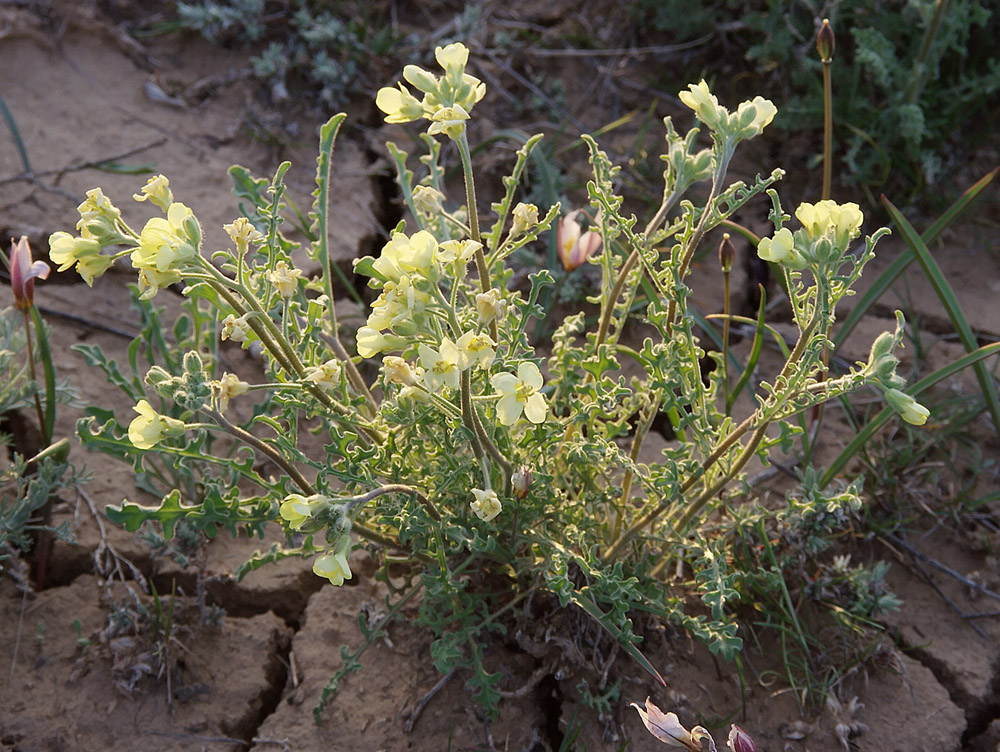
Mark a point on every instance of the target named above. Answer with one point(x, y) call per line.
point(668, 729)
point(23, 272)
point(575, 245)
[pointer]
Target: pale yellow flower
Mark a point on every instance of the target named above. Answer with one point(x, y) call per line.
point(285, 279)
point(454, 56)
point(407, 255)
point(149, 428)
point(840, 222)
point(398, 371)
point(450, 121)
point(705, 104)
point(908, 408)
point(99, 219)
point(242, 232)
point(475, 349)
point(490, 305)
point(84, 251)
point(371, 342)
point(440, 366)
point(297, 509)
point(781, 250)
point(461, 251)
point(398, 306)
point(752, 117)
point(157, 191)
point(525, 218)
point(427, 200)
point(487, 504)
point(399, 105)
point(334, 565)
point(326, 375)
point(167, 245)
point(519, 394)
point(229, 386)
point(236, 329)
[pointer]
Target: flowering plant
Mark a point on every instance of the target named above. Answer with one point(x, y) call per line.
point(504, 473)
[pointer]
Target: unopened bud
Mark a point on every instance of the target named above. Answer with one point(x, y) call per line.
point(520, 481)
point(727, 253)
point(825, 42)
point(23, 272)
point(740, 741)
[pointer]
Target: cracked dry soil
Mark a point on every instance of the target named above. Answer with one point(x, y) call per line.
point(77, 86)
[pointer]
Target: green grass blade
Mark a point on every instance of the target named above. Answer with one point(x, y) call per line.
point(755, 348)
point(950, 302)
point(584, 601)
point(16, 135)
point(49, 371)
point(870, 429)
point(890, 275)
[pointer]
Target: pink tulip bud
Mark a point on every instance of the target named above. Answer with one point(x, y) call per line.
point(23, 272)
point(740, 741)
point(576, 246)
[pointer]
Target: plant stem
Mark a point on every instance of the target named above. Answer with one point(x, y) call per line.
point(388, 488)
point(714, 457)
point(34, 377)
point(616, 290)
point(275, 456)
point(827, 129)
point(470, 201)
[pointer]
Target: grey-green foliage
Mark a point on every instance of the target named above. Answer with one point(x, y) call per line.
point(903, 116)
point(327, 50)
point(20, 497)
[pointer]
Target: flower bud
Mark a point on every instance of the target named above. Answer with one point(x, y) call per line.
point(727, 253)
point(161, 380)
point(825, 42)
point(423, 80)
point(520, 481)
point(23, 272)
point(740, 741)
point(882, 361)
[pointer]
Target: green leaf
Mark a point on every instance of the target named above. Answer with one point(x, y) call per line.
point(899, 265)
point(947, 296)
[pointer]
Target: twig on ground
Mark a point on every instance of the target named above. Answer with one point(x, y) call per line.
point(537, 675)
point(413, 715)
point(969, 583)
point(34, 175)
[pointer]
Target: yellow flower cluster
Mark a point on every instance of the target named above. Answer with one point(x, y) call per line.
point(827, 230)
point(748, 121)
point(447, 99)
